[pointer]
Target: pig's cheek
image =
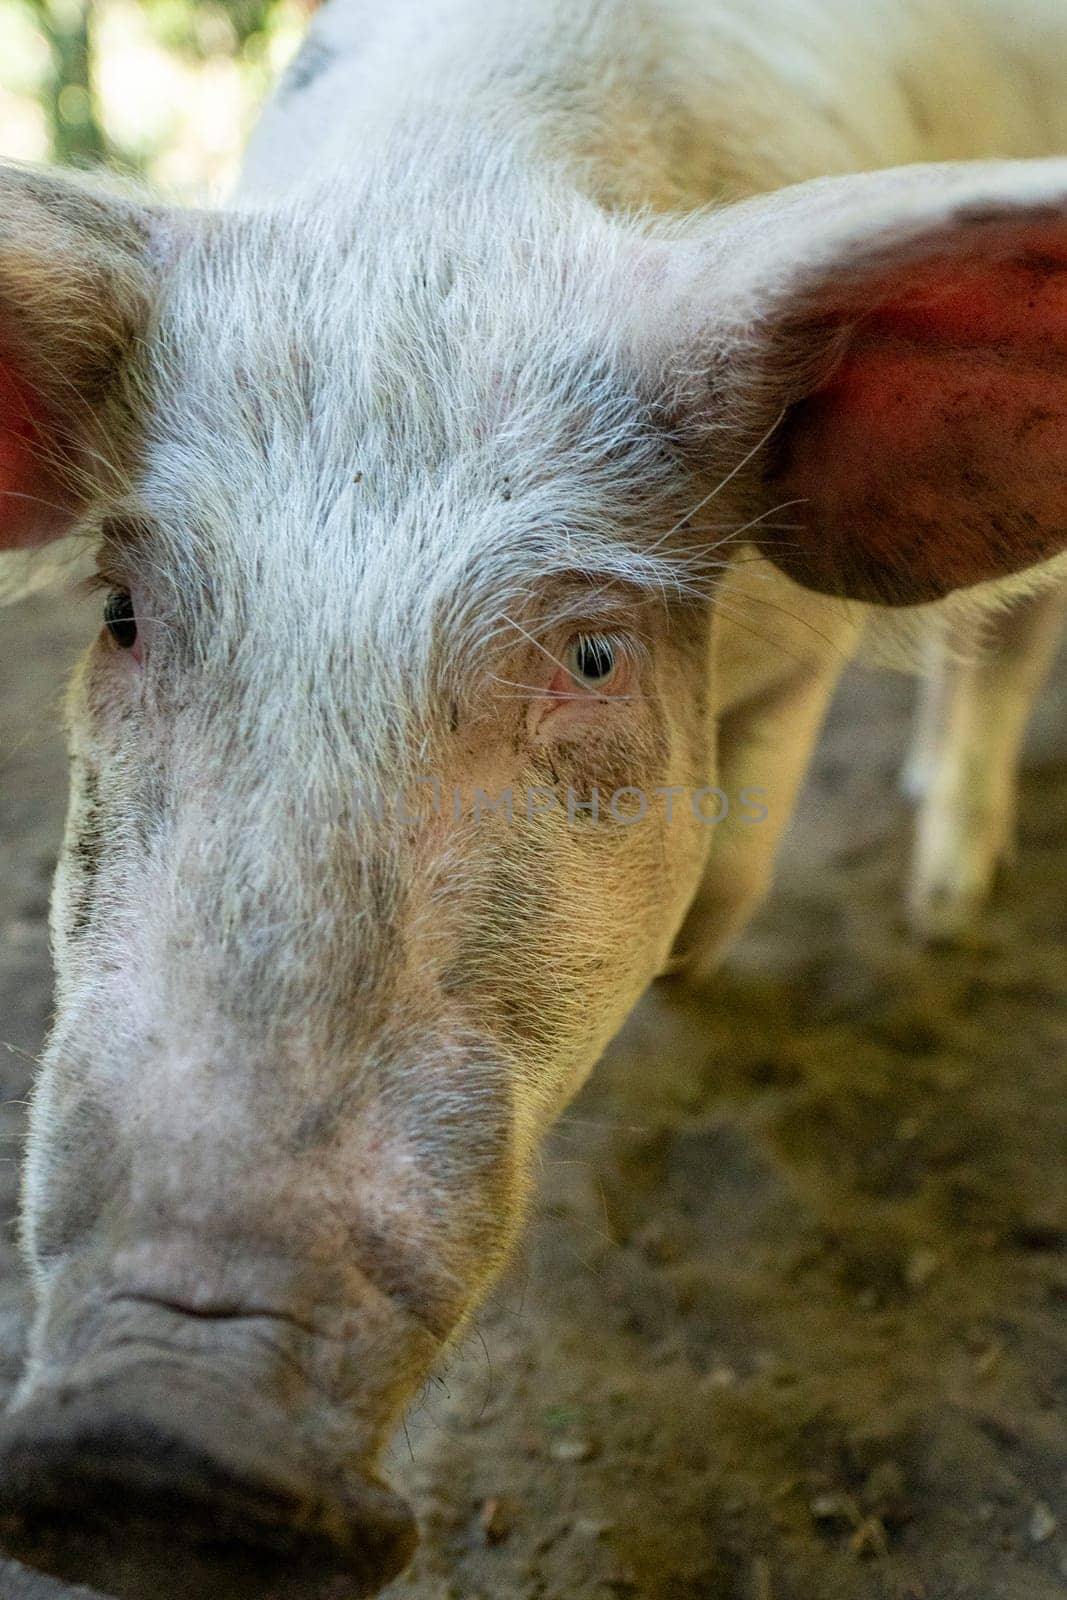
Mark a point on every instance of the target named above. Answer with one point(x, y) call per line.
point(562, 718)
point(114, 690)
point(596, 745)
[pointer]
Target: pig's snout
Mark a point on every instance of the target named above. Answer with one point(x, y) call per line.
point(157, 1478)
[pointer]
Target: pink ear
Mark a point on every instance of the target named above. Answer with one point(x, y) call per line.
point(898, 341)
point(77, 282)
point(935, 457)
point(32, 509)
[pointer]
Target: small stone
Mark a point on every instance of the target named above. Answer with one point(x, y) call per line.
point(572, 1450)
point(869, 1539)
point(921, 1266)
point(987, 1359)
point(497, 1519)
point(719, 1378)
point(1042, 1523)
point(834, 1508)
point(591, 1528)
point(621, 1582)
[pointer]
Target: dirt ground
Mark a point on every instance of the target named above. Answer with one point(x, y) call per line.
point(791, 1318)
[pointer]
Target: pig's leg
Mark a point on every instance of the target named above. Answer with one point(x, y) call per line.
point(778, 654)
point(963, 770)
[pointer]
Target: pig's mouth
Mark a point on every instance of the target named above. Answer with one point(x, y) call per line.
point(150, 1472)
point(121, 1505)
point(225, 1311)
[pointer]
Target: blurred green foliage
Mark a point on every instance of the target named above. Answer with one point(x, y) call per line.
point(196, 30)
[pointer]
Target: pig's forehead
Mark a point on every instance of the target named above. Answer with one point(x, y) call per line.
point(458, 564)
point(392, 415)
point(393, 316)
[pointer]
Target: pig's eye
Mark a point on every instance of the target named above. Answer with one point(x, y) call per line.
point(591, 659)
point(120, 619)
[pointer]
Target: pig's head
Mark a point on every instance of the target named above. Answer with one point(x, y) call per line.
point(391, 512)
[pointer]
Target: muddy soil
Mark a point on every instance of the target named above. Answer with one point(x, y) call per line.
point(790, 1322)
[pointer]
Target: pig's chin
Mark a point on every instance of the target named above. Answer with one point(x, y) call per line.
point(194, 1457)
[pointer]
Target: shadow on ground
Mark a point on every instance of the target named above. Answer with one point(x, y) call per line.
point(791, 1318)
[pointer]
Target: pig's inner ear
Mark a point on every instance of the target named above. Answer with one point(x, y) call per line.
point(75, 289)
point(935, 457)
point(37, 502)
point(930, 451)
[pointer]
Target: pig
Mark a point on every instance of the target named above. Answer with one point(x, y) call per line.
point(962, 771)
point(513, 462)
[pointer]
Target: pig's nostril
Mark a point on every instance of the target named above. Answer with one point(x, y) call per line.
point(91, 1494)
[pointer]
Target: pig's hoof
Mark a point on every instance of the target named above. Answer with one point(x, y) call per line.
point(952, 877)
point(140, 1512)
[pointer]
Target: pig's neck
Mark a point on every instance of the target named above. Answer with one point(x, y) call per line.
point(661, 104)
